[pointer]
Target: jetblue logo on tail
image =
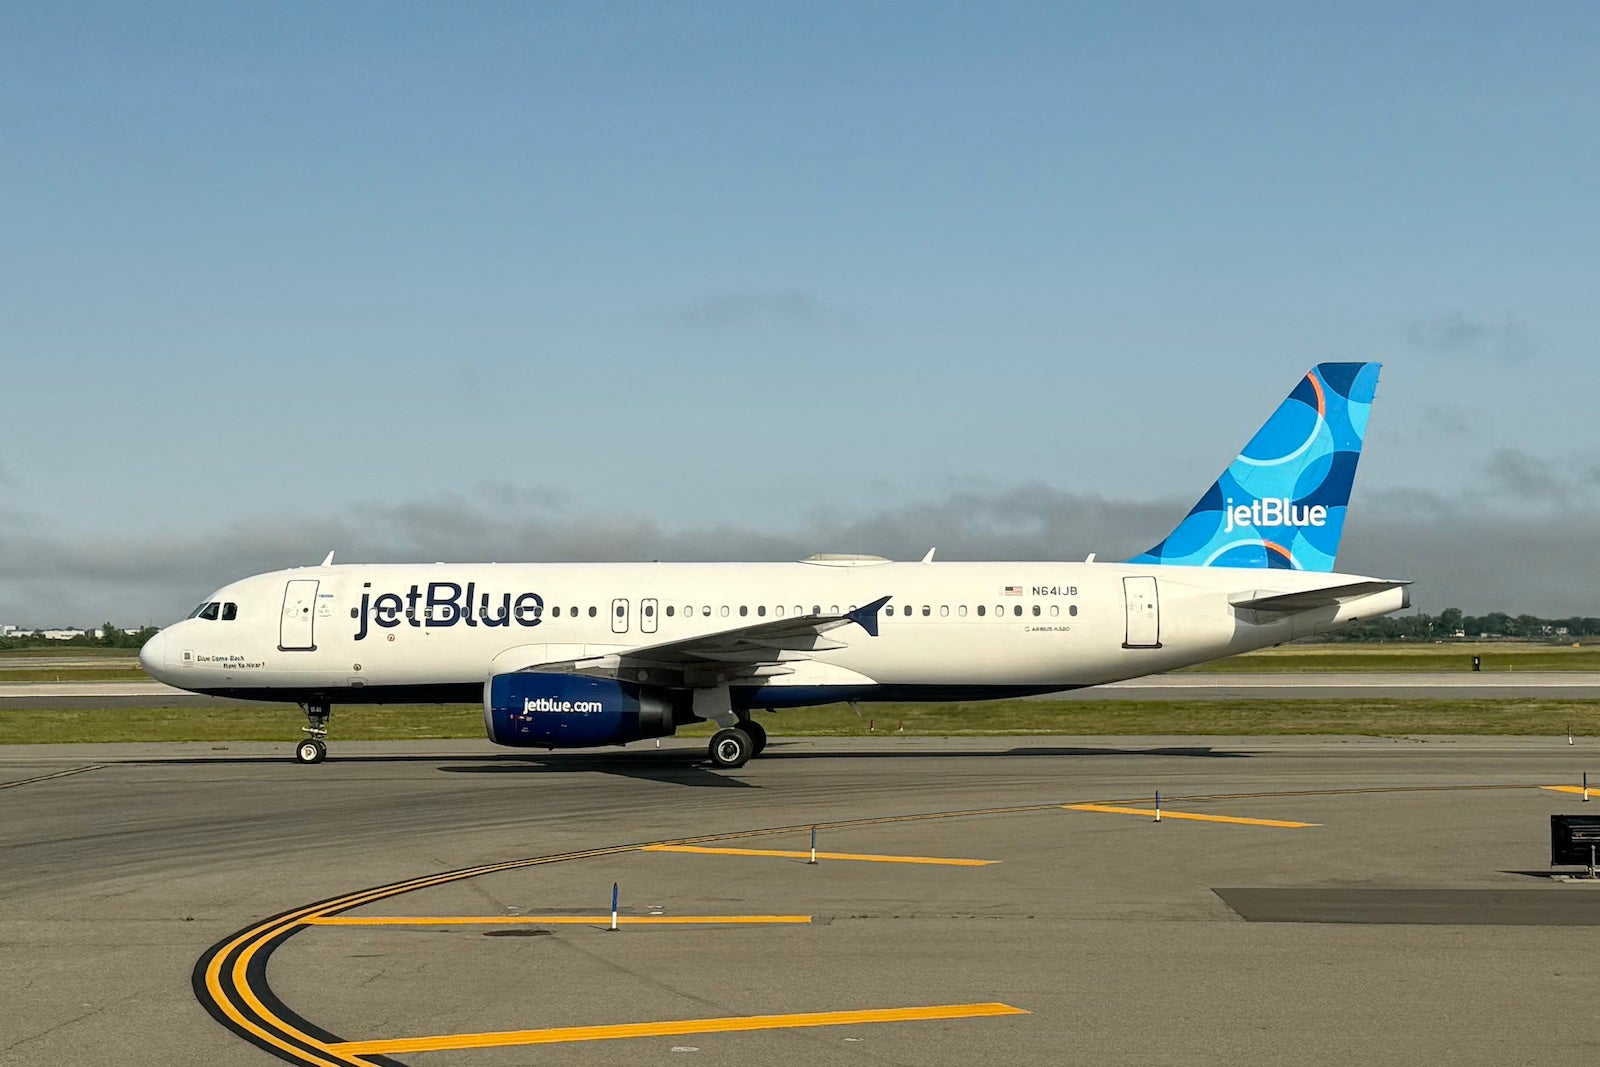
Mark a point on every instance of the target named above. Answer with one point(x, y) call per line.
point(1273, 511)
point(1282, 501)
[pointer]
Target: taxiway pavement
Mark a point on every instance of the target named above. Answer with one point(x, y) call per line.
point(1407, 919)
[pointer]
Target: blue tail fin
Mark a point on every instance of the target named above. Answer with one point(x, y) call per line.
point(1281, 504)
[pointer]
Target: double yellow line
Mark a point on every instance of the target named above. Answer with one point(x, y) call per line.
point(226, 978)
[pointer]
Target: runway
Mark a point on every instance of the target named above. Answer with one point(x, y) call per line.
point(1335, 900)
point(1573, 685)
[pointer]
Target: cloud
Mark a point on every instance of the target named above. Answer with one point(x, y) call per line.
point(1458, 336)
point(1560, 481)
point(1467, 551)
point(733, 311)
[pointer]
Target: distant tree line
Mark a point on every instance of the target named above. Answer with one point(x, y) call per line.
point(1453, 623)
point(110, 637)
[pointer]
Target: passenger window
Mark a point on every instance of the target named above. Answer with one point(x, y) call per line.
point(649, 610)
point(962, 611)
point(762, 611)
point(1072, 609)
point(1017, 610)
point(724, 611)
point(944, 611)
point(778, 611)
point(670, 610)
point(230, 612)
point(621, 611)
point(1055, 611)
point(593, 611)
point(816, 609)
point(1037, 611)
point(744, 611)
point(555, 612)
point(981, 610)
point(571, 611)
point(926, 611)
point(706, 611)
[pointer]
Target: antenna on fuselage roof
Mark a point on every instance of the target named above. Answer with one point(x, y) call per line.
point(329, 561)
point(929, 557)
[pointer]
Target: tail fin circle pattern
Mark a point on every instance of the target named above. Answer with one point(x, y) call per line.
point(1282, 502)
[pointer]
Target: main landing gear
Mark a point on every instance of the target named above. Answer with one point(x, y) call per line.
point(314, 749)
point(735, 746)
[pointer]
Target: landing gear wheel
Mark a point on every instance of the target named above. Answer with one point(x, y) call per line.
point(731, 748)
point(314, 749)
point(758, 736)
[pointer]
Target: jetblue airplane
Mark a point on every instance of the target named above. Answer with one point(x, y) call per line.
point(572, 655)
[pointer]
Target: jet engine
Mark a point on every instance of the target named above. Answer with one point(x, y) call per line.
point(540, 710)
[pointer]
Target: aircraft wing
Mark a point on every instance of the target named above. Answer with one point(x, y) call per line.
point(744, 653)
point(1305, 600)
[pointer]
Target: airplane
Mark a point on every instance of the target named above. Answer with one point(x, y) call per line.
point(572, 655)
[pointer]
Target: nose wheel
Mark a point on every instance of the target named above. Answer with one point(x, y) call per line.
point(314, 749)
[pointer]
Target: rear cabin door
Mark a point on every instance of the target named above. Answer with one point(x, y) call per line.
point(619, 616)
point(1144, 613)
point(647, 616)
point(296, 630)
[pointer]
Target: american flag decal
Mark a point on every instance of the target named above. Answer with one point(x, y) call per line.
point(1013, 590)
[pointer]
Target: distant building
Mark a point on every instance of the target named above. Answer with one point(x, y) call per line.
point(68, 635)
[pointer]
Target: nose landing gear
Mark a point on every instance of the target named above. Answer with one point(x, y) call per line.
point(314, 749)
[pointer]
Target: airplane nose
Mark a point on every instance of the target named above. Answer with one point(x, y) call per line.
point(153, 656)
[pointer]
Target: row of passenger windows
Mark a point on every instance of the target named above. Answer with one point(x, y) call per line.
point(229, 611)
point(214, 610)
point(926, 610)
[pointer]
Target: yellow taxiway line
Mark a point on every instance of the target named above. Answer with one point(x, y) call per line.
point(545, 920)
point(732, 1024)
point(1113, 809)
point(1593, 790)
point(804, 855)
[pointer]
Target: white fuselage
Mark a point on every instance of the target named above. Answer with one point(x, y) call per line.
point(378, 633)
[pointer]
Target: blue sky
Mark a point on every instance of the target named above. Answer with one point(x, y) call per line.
point(678, 280)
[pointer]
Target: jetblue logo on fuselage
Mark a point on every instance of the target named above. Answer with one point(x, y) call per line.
point(446, 604)
point(1273, 511)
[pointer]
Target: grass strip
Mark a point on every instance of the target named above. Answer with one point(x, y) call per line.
point(33, 675)
point(1375, 717)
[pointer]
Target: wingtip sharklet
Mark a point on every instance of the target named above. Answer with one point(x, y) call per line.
point(867, 615)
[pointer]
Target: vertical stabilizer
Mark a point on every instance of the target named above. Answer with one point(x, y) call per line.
point(1281, 503)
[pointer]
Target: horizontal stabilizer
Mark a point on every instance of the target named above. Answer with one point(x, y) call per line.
point(1305, 600)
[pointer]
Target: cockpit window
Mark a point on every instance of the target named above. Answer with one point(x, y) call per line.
point(195, 614)
point(230, 612)
point(210, 611)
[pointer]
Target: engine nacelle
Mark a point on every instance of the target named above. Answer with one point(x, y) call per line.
point(533, 710)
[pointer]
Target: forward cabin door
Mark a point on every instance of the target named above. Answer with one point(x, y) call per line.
point(647, 616)
point(296, 630)
point(1144, 613)
point(619, 616)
